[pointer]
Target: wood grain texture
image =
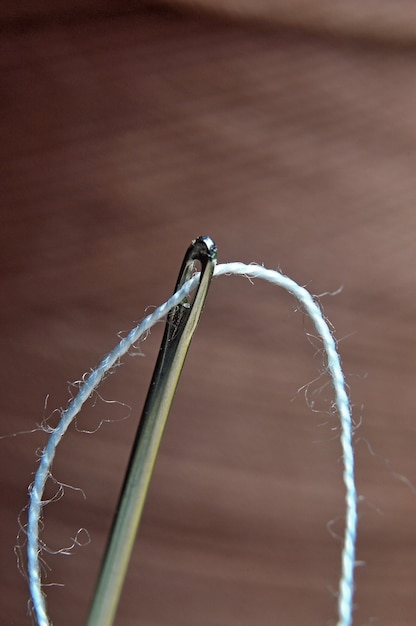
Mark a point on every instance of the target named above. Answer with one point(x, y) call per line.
point(121, 140)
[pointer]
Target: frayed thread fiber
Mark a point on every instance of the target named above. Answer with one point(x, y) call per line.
point(346, 584)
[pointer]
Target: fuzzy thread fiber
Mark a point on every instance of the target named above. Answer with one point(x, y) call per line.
point(346, 583)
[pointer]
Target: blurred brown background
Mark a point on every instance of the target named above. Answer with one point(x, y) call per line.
point(289, 136)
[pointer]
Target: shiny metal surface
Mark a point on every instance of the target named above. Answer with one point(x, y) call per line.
point(123, 138)
point(180, 326)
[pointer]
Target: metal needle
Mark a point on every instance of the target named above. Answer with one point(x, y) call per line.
point(180, 326)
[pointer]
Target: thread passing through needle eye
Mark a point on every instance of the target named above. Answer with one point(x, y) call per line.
point(180, 327)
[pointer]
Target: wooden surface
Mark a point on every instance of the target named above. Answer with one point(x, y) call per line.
point(124, 138)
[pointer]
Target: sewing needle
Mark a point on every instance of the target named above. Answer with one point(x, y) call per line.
point(180, 326)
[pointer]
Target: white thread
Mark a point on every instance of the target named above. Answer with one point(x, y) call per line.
point(346, 584)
